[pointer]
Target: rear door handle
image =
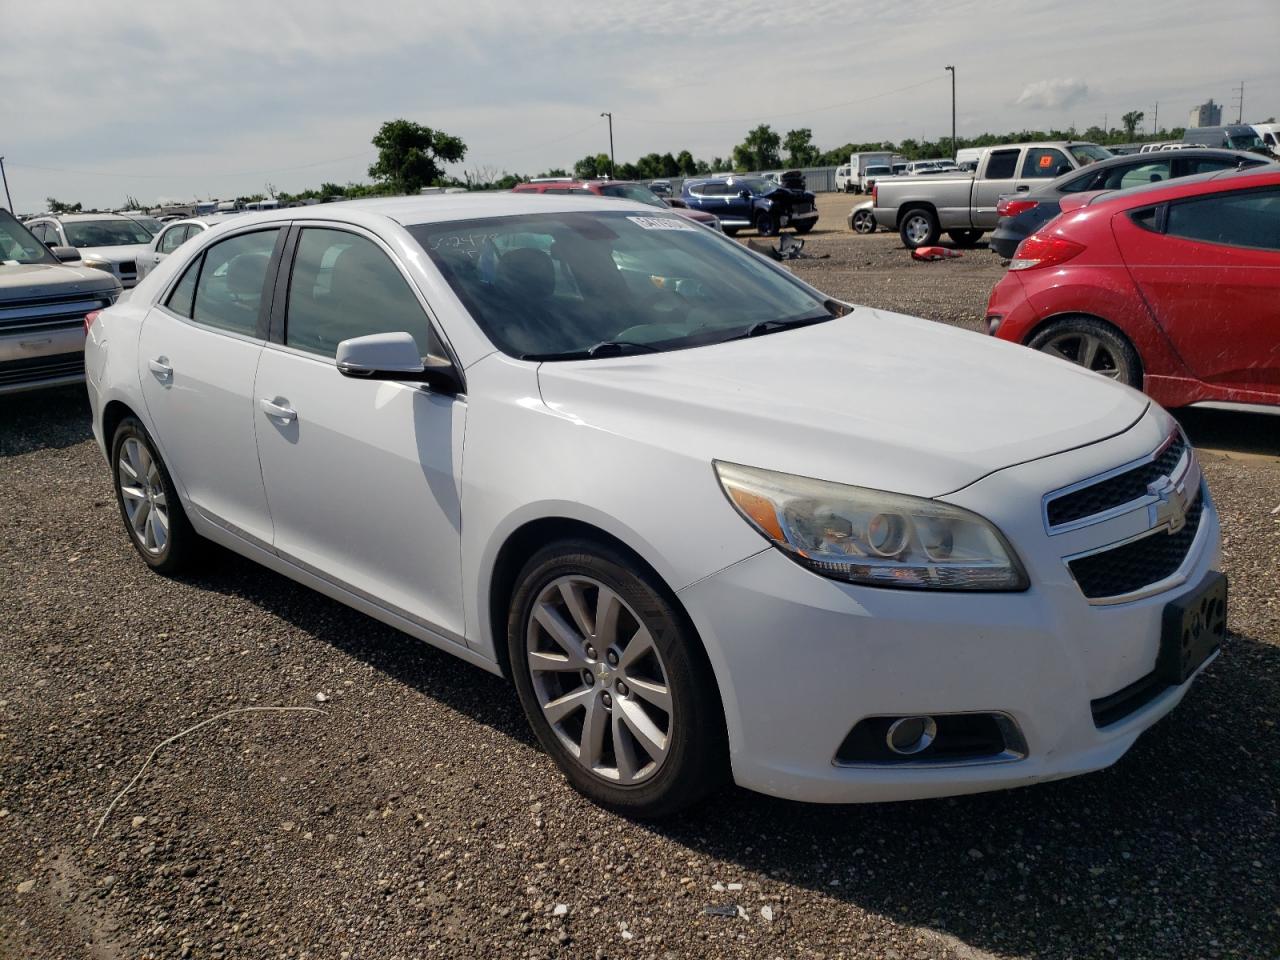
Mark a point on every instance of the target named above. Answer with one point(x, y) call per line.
point(278, 409)
point(1024, 188)
point(160, 367)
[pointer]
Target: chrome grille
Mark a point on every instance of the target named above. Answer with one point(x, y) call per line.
point(44, 315)
point(37, 369)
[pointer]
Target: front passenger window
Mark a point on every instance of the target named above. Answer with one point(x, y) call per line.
point(343, 286)
point(229, 291)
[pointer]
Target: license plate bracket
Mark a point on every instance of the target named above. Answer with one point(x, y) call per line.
point(1193, 627)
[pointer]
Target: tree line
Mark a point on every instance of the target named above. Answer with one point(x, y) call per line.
point(411, 156)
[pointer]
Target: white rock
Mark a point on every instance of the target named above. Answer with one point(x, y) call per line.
point(560, 910)
point(767, 913)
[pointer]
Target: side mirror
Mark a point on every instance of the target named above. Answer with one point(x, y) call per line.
point(65, 254)
point(745, 194)
point(394, 356)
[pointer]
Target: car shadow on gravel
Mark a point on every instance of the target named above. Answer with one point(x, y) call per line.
point(1232, 430)
point(44, 420)
point(1171, 852)
point(1161, 855)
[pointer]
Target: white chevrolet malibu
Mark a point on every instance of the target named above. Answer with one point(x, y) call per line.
point(710, 521)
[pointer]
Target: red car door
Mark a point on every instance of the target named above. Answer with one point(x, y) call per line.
point(1209, 269)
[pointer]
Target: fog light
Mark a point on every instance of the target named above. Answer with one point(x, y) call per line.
point(910, 735)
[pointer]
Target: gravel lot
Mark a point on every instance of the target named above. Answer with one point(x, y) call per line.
point(416, 817)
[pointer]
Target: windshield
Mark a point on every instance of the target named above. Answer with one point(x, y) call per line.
point(105, 233)
point(557, 283)
point(1244, 141)
point(1087, 153)
point(17, 245)
point(632, 191)
point(150, 224)
point(877, 171)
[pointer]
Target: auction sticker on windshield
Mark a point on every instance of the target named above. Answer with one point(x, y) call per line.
point(661, 223)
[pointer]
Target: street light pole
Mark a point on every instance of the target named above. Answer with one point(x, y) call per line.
point(953, 112)
point(606, 113)
point(6, 185)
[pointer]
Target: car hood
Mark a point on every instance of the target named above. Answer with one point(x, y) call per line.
point(115, 254)
point(873, 399)
point(26, 281)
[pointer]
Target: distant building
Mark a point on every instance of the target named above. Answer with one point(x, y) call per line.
point(1206, 115)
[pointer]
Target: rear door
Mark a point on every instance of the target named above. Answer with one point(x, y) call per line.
point(362, 476)
point(197, 356)
point(998, 177)
point(1207, 267)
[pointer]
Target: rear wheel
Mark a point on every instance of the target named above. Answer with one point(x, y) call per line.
point(149, 504)
point(1092, 344)
point(614, 682)
point(965, 238)
point(864, 221)
point(918, 227)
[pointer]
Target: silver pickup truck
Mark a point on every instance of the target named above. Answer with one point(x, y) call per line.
point(921, 208)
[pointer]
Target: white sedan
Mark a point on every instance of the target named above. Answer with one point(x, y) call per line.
point(710, 521)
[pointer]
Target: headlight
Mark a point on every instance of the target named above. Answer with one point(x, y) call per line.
point(97, 264)
point(870, 536)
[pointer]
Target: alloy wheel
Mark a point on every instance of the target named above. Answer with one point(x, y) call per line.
point(599, 679)
point(1086, 350)
point(862, 222)
point(918, 228)
point(142, 490)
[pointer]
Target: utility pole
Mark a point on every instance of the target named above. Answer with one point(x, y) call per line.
point(1155, 119)
point(606, 113)
point(6, 185)
point(953, 112)
point(1239, 98)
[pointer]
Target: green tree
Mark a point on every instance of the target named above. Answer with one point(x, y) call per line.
point(759, 150)
point(800, 149)
point(1131, 121)
point(592, 166)
point(57, 206)
point(686, 164)
point(409, 155)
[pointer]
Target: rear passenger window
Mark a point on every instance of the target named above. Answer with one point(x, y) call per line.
point(1237, 219)
point(1045, 163)
point(1002, 164)
point(343, 286)
point(183, 294)
point(1120, 178)
point(229, 291)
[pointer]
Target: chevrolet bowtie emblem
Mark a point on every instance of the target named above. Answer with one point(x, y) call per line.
point(1170, 508)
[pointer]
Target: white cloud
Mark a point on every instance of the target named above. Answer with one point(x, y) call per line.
point(1055, 94)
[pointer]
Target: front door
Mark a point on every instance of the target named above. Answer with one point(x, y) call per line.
point(1210, 279)
point(197, 356)
point(362, 476)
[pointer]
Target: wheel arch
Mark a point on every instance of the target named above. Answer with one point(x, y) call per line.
point(112, 414)
point(1045, 322)
point(534, 534)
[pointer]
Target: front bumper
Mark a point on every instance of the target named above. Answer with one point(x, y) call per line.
point(801, 659)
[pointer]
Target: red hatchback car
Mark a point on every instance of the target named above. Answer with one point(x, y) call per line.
point(1172, 287)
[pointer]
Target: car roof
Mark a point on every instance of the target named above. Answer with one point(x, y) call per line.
point(444, 208)
point(80, 217)
point(1263, 175)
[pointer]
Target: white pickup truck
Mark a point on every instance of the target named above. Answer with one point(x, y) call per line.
point(964, 205)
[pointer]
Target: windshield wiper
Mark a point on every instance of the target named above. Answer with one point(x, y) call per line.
point(773, 326)
point(613, 348)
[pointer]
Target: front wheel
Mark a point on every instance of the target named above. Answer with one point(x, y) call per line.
point(149, 504)
point(614, 682)
point(1092, 344)
point(864, 221)
point(918, 228)
point(766, 226)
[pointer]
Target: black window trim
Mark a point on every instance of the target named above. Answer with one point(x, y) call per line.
point(278, 320)
point(1163, 216)
point(197, 262)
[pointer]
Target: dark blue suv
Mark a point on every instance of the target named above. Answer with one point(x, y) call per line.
point(755, 202)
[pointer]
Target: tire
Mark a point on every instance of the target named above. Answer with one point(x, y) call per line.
point(918, 227)
point(766, 225)
point(1107, 350)
point(864, 221)
point(149, 505)
point(965, 238)
point(626, 775)
point(805, 227)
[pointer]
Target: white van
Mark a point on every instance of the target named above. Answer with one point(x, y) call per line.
point(1270, 134)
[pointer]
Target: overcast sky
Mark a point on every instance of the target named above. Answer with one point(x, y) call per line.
point(175, 99)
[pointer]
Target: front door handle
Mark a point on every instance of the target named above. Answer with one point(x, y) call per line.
point(278, 409)
point(1024, 188)
point(160, 367)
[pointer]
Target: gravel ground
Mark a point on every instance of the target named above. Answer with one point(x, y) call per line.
point(416, 817)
